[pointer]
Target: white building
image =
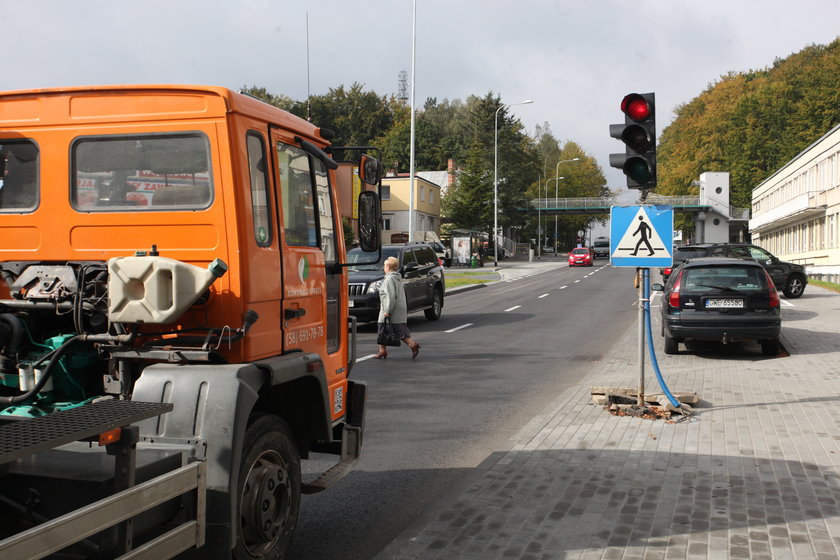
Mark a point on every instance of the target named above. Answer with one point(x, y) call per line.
point(795, 210)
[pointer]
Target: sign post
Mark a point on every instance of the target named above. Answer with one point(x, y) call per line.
point(641, 237)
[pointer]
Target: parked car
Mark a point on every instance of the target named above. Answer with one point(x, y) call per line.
point(581, 256)
point(722, 299)
point(423, 280)
point(789, 278)
point(680, 254)
point(547, 249)
point(442, 252)
point(601, 246)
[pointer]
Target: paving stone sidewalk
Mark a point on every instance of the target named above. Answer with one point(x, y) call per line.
point(754, 473)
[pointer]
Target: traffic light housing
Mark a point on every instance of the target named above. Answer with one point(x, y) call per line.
point(638, 162)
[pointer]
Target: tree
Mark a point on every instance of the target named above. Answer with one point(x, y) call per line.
point(750, 124)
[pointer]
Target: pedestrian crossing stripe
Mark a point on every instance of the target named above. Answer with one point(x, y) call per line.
point(641, 236)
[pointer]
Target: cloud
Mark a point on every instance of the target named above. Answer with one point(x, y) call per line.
point(575, 59)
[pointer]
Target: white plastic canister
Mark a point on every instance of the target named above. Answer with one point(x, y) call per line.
point(153, 289)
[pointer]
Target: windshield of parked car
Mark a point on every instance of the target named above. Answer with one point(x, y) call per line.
point(726, 278)
point(357, 255)
point(683, 253)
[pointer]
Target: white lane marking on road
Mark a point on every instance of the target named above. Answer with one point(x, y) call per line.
point(363, 358)
point(542, 296)
point(459, 328)
point(786, 302)
point(512, 308)
point(563, 287)
point(576, 281)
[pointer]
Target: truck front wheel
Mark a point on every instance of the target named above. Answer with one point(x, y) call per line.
point(269, 490)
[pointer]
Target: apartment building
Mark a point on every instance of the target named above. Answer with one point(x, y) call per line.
point(795, 211)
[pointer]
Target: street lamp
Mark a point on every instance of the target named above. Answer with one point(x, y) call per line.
point(557, 172)
point(496, 181)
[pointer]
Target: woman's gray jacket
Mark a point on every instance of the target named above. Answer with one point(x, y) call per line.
point(392, 299)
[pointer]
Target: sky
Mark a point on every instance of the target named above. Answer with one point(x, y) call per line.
point(575, 60)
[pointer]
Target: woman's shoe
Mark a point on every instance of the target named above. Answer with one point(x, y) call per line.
point(415, 350)
point(381, 355)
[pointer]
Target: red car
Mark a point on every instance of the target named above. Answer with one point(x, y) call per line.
point(582, 256)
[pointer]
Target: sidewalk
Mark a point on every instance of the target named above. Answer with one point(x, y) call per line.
point(754, 473)
point(513, 269)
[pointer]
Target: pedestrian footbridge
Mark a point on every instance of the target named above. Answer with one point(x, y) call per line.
point(602, 205)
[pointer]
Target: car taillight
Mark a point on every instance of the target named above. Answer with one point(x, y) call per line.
point(774, 294)
point(667, 271)
point(440, 261)
point(674, 296)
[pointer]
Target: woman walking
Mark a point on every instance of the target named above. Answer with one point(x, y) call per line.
point(393, 307)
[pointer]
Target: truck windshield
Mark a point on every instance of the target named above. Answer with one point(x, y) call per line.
point(142, 172)
point(18, 175)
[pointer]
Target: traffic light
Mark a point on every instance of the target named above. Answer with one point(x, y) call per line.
point(639, 136)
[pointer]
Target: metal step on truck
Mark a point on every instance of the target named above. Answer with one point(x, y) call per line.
point(174, 329)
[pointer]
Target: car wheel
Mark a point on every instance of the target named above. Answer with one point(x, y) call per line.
point(672, 346)
point(268, 498)
point(770, 347)
point(794, 287)
point(433, 313)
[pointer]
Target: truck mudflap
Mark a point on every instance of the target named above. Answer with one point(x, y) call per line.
point(351, 441)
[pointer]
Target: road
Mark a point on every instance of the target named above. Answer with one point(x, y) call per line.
point(497, 356)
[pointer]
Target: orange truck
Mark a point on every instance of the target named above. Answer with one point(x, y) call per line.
point(174, 329)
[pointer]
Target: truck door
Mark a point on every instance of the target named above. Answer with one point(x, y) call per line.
point(311, 310)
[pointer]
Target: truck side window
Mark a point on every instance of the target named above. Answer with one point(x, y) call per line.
point(259, 189)
point(18, 175)
point(297, 196)
point(322, 184)
point(141, 172)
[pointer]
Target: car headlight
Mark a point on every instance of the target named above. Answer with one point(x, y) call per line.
point(374, 286)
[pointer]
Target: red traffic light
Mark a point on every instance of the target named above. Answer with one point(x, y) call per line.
point(636, 107)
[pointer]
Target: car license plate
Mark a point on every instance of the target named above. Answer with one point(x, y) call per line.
point(724, 303)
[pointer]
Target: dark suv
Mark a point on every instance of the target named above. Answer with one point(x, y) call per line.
point(789, 278)
point(423, 280)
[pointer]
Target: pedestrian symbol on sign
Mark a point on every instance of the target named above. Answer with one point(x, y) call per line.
point(643, 231)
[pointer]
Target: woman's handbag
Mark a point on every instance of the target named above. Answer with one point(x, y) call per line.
point(389, 337)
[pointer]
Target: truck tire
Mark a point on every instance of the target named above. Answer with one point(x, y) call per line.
point(794, 287)
point(433, 313)
point(268, 497)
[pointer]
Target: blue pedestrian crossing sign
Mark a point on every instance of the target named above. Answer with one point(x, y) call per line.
point(641, 236)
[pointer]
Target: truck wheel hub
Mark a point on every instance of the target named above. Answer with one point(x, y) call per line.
point(265, 503)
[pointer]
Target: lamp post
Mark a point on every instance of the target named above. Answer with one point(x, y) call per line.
point(496, 180)
point(557, 172)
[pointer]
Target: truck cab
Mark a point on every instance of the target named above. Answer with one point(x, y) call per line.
point(180, 246)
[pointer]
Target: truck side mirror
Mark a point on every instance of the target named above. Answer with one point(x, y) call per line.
point(369, 214)
point(370, 170)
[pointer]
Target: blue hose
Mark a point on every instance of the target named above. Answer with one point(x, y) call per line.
point(646, 295)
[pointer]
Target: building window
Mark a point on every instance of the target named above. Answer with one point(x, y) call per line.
point(431, 196)
point(422, 194)
point(386, 192)
point(386, 222)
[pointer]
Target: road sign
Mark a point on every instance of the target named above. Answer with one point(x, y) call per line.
point(641, 236)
